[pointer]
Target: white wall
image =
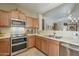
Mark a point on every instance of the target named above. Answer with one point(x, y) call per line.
point(40, 22)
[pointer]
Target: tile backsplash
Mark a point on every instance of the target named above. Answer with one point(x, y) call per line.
point(5, 31)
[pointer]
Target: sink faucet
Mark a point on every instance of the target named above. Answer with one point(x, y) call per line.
point(54, 34)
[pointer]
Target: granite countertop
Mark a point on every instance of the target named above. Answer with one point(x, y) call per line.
point(63, 39)
point(3, 37)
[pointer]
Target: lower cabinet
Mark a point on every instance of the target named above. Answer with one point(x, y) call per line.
point(38, 42)
point(53, 48)
point(44, 45)
point(31, 41)
point(48, 46)
point(4, 47)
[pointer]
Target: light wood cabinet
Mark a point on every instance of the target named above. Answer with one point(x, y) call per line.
point(14, 14)
point(31, 41)
point(22, 16)
point(53, 48)
point(17, 14)
point(29, 22)
point(44, 46)
point(35, 23)
point(5, 46)
point(48, 46)
point(4, 19)
point(32, 22)
point(38, 42)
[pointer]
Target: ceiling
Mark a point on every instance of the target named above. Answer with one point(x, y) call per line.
point(38, 7)
point(60, 12)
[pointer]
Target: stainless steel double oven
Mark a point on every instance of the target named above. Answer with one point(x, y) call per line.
point(18, 38)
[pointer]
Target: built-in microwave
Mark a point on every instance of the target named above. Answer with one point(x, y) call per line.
point(18, 23)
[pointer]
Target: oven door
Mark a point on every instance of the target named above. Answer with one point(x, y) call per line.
point(19, 44)
point(18, 40)
point(18, 47)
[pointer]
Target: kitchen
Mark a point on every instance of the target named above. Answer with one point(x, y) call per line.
point(42, 29)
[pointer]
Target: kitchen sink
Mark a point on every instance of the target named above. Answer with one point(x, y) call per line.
point(58, 37)
point(52, 36)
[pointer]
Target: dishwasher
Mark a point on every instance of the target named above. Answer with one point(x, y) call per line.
point(62, 50)
point(67, 49)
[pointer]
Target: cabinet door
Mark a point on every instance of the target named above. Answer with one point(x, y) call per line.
point(31, 41)
point(44, 45)
point(4, 47)
point(22, 16)
point(4, 19)
point(36, 23)
point(53, 48)
point(29, 22)
point(15, 14)
point(38, 42)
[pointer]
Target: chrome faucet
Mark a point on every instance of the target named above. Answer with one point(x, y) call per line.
point(54, 34)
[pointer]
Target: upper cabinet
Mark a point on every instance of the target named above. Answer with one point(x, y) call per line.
point(14, 14)
point(4, 19)
point(32, 22)
point(29, 22)
point(36, 22)
point(17, 14)
point(22, 16)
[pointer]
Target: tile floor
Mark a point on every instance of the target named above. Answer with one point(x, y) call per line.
point(31, 52)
